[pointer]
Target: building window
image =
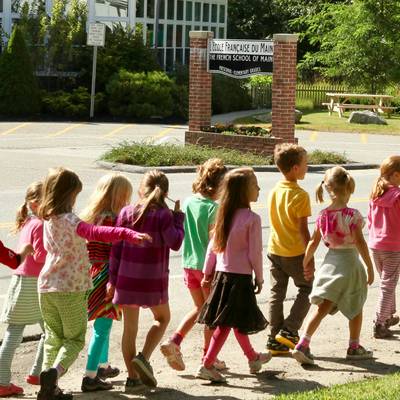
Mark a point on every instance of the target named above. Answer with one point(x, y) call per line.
point(15, 6)
point(1, 5)
point(179, 30)
point(179, 11)
point(197, 28)
point(169, 62)
point(110, 8)
point(214, 13)
point(222, 14)
point(150, 8)
point(206, 12)
point(197, 11)
point(221, 33)
point(140, 8)
point(162, 9)
point(188, 28)
point(150, 35)
point(160, 41)
point(171, 9)
point(214, 31)
point(189, 12)
point(179, 56)
point(170, 35)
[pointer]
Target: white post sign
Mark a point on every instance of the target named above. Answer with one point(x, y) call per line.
point(96, 37)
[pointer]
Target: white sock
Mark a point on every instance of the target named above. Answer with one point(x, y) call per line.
point(91, 374)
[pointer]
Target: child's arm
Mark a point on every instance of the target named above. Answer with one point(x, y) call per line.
point(255, 252)
point(209, 265)
point(115, 257)
point(308, 264)
point(110, 234)
point(303, 228)
point(363, 250)
point(11, 258)
point(172, 230)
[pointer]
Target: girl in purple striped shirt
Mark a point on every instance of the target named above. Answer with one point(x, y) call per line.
point(139, 274)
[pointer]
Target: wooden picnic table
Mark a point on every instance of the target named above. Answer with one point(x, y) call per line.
point(342, 101)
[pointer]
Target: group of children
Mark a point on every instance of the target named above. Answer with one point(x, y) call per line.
point(113, 260)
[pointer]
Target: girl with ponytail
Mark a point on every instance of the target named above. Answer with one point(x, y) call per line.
point(139, 273)
point(384, 242)
point(21, 307)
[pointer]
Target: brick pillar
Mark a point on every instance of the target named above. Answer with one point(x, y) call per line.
point(199, 81)
point(284, 86)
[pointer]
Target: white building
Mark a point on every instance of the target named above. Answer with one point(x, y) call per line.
point(176, 19)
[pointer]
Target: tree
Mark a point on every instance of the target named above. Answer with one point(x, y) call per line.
point(19, 94)
point(359, 43)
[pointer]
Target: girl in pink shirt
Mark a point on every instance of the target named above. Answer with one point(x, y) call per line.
point(384, 242)
point(233, 254)
point(22, 305)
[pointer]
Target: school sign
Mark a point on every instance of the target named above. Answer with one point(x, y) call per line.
point(240, 58)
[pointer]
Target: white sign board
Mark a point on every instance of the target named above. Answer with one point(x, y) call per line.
point(96, 35)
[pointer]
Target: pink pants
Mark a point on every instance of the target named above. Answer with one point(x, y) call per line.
point(387, 264)
point(217, 341)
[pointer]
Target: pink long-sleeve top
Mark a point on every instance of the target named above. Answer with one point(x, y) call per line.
point(243, 252)
point(32, 232)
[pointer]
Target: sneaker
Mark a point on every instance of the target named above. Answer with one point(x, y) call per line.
point(382, 332)
point(9, 390)
point(60, 395)
point(210, 374)
point(359, 354)
point(94, 384)
point(256, 364)
point(144, 369)
point(173, 355)
point(107, 373)
point(33, 379)
point(276, 348)
point(287, 338)
point(134, 385)
point(48, 384)
point(220, 365)
point(393, 320)
point(303, 355)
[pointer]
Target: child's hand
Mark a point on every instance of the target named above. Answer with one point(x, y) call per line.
point(110, 290)
point(28, 250)
point(143, 237)
point(308, 270)
point(258, 285)
point(370, 279)
point(206, 281)
point(177, 206)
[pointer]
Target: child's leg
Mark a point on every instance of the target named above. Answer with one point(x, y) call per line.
point(246, 346)
point(162, 317)
point(37, 364)
point(103, 362)
point(217, 341)
point(101, 332)
point(355, 329)
point(11, 340)
point(128, 344)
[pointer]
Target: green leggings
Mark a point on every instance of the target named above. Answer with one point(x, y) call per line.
point(65, 323)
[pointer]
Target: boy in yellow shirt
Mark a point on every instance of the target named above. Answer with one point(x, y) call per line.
point(289, 208)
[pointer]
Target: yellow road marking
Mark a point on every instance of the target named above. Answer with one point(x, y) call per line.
point(65, 130)
point(6, 225)
point(8, 131)
point(163, 132)
point(313, 137)
point(115, 131)
point(364, 138)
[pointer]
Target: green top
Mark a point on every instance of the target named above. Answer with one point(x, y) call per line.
point(199, 215)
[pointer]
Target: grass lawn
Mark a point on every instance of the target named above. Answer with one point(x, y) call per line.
point(386, 388)
point(320, 120)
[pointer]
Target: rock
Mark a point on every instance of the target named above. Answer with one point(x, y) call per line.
point(366, 117)
point(297, 116)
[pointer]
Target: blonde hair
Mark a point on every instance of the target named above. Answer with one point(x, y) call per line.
point(152, 190)
point(234, 194)
point(59, 191)
point(388, 167)
point(113, 191)
point(209, 177)
point(338, 183)
point(287, 155)
point(33, 193)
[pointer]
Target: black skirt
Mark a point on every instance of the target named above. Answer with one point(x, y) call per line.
point(232, 303)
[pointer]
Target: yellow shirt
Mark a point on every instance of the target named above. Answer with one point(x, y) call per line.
point(287, 202)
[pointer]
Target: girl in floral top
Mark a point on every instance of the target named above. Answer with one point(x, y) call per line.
point(65, 279)
point(340, 283)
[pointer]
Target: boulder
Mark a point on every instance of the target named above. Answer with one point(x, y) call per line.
point(267, 118)
point(297, 116)
point(366, 117)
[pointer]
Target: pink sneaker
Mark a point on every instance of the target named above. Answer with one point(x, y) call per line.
point(172, 353)
point(256, 364)
point(9, 390)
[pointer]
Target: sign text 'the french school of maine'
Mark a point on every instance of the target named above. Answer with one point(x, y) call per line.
point(240, 58)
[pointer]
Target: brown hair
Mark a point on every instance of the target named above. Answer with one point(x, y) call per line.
point(113, 191)
point(209, 177)
point(337, 181)
point(33, 193)
point(59, 190)
point(287, 155)
point(152, 190)
point(388, 167)
point(234, 194)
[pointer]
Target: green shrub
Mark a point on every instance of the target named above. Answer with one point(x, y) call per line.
point(140, 94)
point(305, 104)
point(229, 95)
point(19, 93)
point(326, 157)
point(180, 97)
point(260, 80)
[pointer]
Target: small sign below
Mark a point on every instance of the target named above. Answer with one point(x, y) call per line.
point(96, 35)
point(240, 58)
